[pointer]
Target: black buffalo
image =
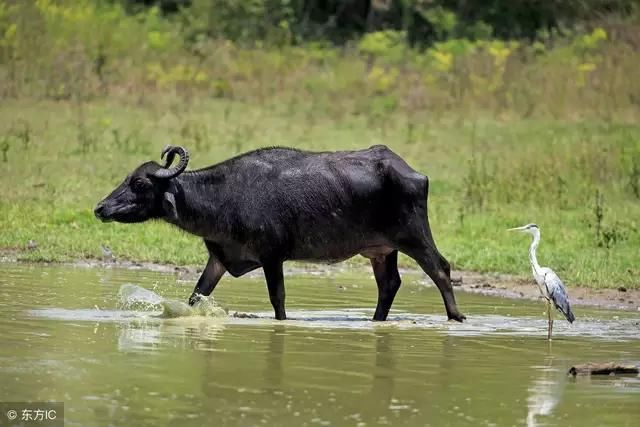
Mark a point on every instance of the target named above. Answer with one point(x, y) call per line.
point(271, 205)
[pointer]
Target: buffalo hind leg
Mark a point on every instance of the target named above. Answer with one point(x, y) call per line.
point(385, 269)
point(208, 280)
point(275, 283)
point(438, 269)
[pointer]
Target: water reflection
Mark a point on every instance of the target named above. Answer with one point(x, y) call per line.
point(189, 332)
point(385, 365)
point(545, 392)
point(135, 338)
point(273, 371)
point(384, 373)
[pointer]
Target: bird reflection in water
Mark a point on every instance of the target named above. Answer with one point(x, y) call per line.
point(545, 393)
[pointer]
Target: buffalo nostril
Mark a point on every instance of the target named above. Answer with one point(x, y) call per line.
point(99, 210)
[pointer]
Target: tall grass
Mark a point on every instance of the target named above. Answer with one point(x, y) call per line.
point(486, 176)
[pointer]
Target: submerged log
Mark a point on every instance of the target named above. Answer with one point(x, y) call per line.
point(610, 368)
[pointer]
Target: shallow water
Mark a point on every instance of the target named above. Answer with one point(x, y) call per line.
point(121, 347)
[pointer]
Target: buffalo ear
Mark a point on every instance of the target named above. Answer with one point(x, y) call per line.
point(169, 206)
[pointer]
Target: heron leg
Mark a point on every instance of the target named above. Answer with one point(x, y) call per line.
point(550, 326)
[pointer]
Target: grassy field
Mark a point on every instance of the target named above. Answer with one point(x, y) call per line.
point(578, 180)
point(509, 132)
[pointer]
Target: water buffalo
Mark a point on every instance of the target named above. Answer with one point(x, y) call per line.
point(271, 205)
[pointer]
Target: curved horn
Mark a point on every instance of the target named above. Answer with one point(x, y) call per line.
point(170, 151)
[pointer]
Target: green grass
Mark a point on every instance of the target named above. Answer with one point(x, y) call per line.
point(486, 176)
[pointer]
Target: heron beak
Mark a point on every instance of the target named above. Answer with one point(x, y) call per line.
point(517, 229)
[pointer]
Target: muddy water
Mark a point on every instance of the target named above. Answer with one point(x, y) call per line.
point(119, 347)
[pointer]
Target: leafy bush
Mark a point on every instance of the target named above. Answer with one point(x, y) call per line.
point(85, 49)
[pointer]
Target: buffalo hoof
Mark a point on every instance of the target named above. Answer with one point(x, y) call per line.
point(458, 317)
point(194, 298)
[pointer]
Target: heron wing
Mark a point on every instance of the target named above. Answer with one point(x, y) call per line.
point(558, 294)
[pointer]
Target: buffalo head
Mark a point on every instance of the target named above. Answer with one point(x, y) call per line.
point(143, 194)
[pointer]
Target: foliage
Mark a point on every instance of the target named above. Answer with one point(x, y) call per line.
point(84, 50)
point(383, 44)
point(422, 21)
point(241, 20)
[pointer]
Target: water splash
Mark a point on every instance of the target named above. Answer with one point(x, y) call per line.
point(137, 298)
point(134, 297)
point(206, 306)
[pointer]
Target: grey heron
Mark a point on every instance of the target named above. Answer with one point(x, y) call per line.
point(550, 285)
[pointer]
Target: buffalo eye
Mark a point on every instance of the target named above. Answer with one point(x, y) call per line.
point(139, 185)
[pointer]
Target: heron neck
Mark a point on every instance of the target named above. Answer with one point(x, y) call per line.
point(532, 252)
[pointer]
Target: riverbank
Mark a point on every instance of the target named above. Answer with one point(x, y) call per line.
point(494, 285)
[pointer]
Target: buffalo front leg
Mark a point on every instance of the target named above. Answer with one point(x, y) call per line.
point(438, 269)
point(208, 280)
point(385, 270)
point(275, 283)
